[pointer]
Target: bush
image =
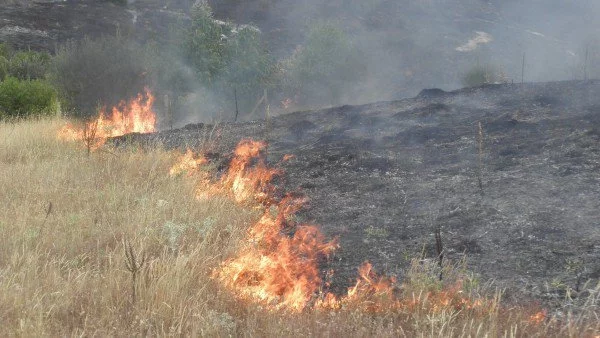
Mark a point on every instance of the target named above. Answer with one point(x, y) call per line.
point(205, 45)
point(4, 65)
point(20, 98)
point(228, 58)
point(24, 65)
point(103, 71)
point(29, 65)
point(249, 67)
point(480, 75)
point(5, 50)
point(325, 66)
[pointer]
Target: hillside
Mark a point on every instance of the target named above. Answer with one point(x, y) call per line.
point(407, 45)
point(382, 177)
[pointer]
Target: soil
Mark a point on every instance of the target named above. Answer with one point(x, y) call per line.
point(383, 177)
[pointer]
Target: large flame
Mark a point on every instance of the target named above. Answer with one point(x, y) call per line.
point(279, 263)
point(248, 176)
point(275, 268)
point(134, 116)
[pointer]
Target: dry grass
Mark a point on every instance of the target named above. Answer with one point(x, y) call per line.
point(64, 217)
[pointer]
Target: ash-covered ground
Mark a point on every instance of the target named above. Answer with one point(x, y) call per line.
point(382, 177)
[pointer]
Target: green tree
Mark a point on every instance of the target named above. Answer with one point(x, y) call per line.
point(205, 45)
point(101, 71)
point(249, 66)
point(325, 66)
point(228, 59)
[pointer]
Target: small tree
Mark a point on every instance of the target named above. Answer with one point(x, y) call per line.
point(325, 66)
point(480, 75)
point(29, 65)
point(105, 70)
point(205, 45)
point(250, 67)
point(230, 61)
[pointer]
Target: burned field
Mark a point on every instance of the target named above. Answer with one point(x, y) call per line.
point(508, 173)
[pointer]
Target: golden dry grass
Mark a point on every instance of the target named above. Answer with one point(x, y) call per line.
point(63, 272)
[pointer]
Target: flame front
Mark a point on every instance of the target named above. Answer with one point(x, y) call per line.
point(275, 268)
point(248, 177)
point(187, 163)
point(277, 264)
point(135, 116)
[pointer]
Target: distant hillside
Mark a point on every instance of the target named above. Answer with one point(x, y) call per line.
point(408, 45)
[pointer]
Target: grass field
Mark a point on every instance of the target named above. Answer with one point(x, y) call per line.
point(70, 221)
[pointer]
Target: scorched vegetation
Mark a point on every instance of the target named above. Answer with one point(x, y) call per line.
point(132, 241)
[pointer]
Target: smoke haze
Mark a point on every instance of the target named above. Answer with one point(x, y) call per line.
point(411, 45)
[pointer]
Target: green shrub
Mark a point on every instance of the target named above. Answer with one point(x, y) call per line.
point(20, 98)
point(205, 45)
point(29, 65)
point(228, 58)
point(102, 71)
point(4, 65)
point(23, 64)
point(5, 50)
point(325, 66)
point(480, 75)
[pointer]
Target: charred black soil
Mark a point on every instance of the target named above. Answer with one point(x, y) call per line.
point(383, 176)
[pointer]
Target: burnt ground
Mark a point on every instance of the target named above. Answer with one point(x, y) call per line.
point(383, 176)
point(47, 24)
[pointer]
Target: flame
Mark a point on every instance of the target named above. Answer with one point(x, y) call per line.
point(278, 263)
point(538, 317)
point(135, 116)
point(248, 176)
point(286, 103)
point(276, 268)
point(371, 292)
point(187, 163)
point(288, 157)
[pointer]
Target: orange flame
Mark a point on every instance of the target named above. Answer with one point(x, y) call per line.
point(538, 318)
point(275, 268)
point(248, 176)
point(187, 163)
point(136, 116)
point(278, 263)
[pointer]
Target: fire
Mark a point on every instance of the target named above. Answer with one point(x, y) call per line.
point(278, 263)
point(135, 116)
point(187, 163)
point(538, 318)
point(275, 268)
point(248, 179)
point(248, 176)
point(286, 103)
point(371, 292)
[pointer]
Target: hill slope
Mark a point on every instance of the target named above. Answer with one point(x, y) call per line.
point(382, 177)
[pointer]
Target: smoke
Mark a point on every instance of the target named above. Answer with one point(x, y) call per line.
point(403, 46)
point(552, 35)
point(411, 45)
